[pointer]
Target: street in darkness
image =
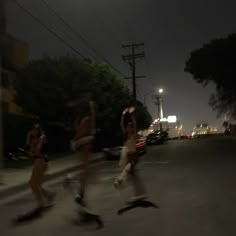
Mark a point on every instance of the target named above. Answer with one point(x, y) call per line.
point(192, 181)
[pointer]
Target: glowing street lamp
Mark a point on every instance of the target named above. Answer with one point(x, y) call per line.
point(159, 97)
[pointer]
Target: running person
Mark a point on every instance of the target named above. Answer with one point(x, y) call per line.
point(82, 143)
point(83, 139)
point(129, 157)
point(36, 141)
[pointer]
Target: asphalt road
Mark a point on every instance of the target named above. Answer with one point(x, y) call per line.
point(192, 181)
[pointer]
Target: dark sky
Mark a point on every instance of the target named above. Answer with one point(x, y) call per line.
point(169, 29)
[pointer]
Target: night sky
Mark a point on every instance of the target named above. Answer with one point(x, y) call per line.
point(169, 29)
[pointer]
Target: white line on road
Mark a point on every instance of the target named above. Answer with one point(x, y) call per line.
point(156, 162)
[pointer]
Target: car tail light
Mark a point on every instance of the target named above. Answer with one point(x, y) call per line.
point(140, 144)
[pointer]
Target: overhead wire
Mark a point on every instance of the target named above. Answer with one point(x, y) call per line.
point(147, 64)
point(132, 35)
point(48, 28)
point(28, 12)
point(79, 35)
point(109, 31)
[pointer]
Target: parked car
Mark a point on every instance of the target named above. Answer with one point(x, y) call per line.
point(113, 153)
point(158, 137)
point(141, 145)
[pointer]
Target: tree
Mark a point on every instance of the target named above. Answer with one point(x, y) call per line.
point(55, 88)
point(143, 117)
point(215, 62)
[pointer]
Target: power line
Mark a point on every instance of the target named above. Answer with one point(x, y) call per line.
point(79, 35)
point(69, 27)
point(55, 34)
point(48, 29)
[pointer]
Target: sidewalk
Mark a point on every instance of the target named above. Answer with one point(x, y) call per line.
point(16, 180)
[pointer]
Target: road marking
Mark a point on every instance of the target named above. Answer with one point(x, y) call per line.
point(156, 162)
point(108, 178)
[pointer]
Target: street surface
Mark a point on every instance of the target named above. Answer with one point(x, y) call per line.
point(192, 181)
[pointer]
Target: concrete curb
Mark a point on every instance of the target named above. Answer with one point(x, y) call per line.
point(51, 176)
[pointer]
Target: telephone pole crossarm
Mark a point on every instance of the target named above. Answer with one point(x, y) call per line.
point(131, 59)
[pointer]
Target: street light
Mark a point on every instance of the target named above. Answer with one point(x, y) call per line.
point(160, 91)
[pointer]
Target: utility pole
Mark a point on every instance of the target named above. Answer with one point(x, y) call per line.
point(131, 59)
point(158, 102)
point(160, 114)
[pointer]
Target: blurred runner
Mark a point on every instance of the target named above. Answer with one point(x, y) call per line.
point(36, 141)
point(83, 145)
point(129, 155)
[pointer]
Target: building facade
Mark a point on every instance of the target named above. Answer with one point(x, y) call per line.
point(14, 55)
point(203, 129)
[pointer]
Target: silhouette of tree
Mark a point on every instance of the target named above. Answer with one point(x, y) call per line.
point(215, 63)
point(55, 88)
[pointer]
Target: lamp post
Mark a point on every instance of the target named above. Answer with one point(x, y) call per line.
point(158, 98)
point(160, 92)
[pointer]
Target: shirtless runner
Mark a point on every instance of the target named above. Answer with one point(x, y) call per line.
point(83, 140)
point(129, 157)
point(36, 140)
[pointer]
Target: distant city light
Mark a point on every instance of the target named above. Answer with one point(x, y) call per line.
point(163, 120)
point(171, 119)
